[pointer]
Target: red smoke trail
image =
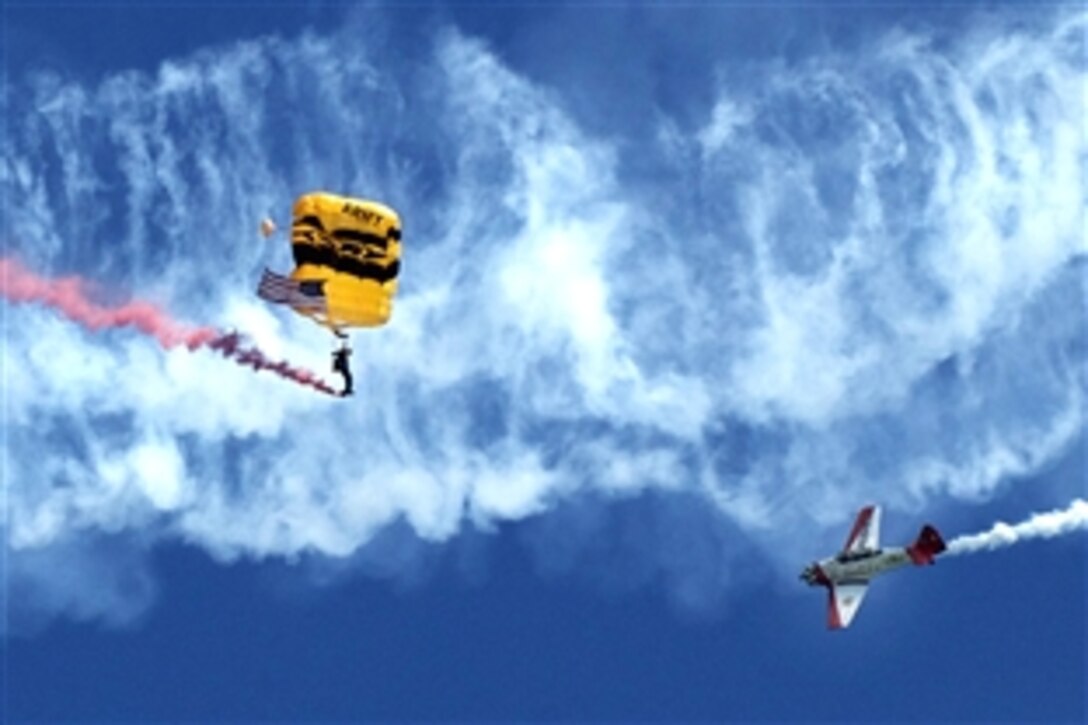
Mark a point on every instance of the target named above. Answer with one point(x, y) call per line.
point(68, 296)
point(229, 345)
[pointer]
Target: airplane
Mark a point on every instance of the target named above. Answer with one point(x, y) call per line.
point(846, 575)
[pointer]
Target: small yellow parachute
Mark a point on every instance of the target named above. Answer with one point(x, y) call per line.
point(347, 258)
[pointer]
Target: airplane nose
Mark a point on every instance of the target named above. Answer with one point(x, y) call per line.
point(811, 574)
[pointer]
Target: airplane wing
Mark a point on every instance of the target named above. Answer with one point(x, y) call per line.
point(843, 602)
point(865, 536)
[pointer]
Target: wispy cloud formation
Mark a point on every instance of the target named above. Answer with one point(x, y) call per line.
point(852, 281)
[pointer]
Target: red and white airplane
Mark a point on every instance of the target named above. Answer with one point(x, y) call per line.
point(846, 575)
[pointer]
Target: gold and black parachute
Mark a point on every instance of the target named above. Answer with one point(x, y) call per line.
point(347, 258)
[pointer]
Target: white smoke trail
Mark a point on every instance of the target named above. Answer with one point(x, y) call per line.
point(1040, 526)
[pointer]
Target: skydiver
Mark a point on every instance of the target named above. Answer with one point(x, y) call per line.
point(340, 364)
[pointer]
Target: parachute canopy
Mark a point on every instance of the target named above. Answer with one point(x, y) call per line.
point(347, 257)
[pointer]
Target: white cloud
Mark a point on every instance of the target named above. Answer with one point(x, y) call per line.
point(786, 322)
point(726, 118)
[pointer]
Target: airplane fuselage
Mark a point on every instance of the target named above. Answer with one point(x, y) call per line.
point(855, 567)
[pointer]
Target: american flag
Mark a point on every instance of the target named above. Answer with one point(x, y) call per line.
point(307, 295)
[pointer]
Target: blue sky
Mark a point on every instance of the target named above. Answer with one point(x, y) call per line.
point(683, 288)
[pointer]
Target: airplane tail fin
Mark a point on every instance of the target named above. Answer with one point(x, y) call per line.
point(928, 544)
